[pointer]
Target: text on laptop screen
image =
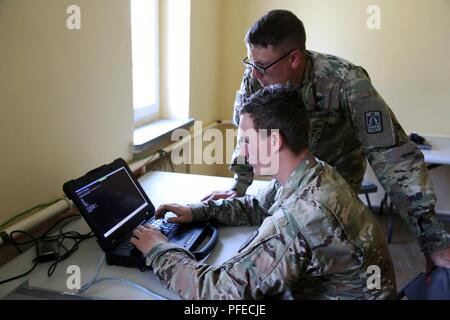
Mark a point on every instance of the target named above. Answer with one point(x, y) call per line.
point(112, 200)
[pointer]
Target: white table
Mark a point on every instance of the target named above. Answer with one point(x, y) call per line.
point(440, 152)
point(161, 187)
point(439, 156)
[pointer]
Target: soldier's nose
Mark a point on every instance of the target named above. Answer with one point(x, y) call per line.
point(256, 74)
point(243, 150)
point(242, 153)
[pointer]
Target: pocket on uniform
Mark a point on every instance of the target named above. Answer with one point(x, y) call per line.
point(270, 228)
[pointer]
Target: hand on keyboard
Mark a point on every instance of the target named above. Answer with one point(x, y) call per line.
point(163, 226)
point(146, 237)
point(183, 213)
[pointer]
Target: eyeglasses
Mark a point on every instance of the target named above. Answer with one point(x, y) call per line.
point(261, 69)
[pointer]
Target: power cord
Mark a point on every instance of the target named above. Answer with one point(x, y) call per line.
point(56, 242)
point(35, 262)
point(75, 236)
point(95, 280)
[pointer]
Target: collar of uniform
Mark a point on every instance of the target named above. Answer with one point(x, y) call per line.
point(307, 87)
point(309, 68)
point(296, 178)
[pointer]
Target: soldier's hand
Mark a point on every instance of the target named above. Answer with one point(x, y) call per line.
point(184, 213)
point(146, 237)
point(224, 194)
point(439, 258)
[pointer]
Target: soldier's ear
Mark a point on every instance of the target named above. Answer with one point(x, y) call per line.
point(296, 58)
point(276, 140)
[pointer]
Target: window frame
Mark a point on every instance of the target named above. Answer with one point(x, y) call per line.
point(148, 113)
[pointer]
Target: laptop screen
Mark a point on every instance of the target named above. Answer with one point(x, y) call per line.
point(111, 201)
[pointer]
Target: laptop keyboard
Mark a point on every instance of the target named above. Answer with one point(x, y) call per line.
point(164, 227)
point(127, 245)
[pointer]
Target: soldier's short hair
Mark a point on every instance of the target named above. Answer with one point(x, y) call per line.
point(281, 107)
point(278, 28)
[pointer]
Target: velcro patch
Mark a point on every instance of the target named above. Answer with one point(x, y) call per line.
point(374, 122)
point(372, 119)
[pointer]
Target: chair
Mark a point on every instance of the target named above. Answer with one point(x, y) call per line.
point(366, 188)
point(369, 187)
point(436, 287)
point(390, 215)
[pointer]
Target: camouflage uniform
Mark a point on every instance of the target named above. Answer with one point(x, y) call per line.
point(349, 123)
point(316, 240)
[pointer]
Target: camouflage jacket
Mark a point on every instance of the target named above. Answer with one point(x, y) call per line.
point(316, 240)
point(349, 123)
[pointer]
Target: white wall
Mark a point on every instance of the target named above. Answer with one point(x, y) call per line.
point(65, 96)
point(205, 59)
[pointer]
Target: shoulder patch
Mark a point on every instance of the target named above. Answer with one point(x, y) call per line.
point(374, 122)
point(371, 116)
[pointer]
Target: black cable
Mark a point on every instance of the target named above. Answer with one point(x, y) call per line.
point(41, 236)
point(27, 272)
point(72, 235)
point(77, 238)
point(59, 239)
point(22, 275)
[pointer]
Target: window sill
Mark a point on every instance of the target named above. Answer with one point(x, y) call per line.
point(149, 135)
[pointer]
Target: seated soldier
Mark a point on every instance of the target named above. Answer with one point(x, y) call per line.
point(316, 239)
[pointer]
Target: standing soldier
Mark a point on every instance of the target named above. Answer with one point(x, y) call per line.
point(349, 121)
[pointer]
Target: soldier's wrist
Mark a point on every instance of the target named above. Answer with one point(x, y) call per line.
point(198, 212)
point(160, 249)
point(240, 188)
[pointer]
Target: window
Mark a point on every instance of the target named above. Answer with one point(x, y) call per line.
point(144, 37)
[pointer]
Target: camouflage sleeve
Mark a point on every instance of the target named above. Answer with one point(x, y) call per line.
point(397, 162)
point(243, 172)
point(265, 268)
point(248, 210)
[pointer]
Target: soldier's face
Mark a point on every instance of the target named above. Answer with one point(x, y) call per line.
point(257, 147)
point(280, 72)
